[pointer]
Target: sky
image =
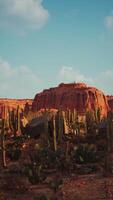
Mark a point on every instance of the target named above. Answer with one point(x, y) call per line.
point(46, 42)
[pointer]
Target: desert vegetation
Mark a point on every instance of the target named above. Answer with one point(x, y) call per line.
point(63, 146)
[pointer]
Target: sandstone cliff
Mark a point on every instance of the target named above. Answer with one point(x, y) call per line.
point(74, 95)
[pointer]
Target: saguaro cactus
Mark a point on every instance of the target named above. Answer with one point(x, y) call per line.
point(74, 121)
point(46, 136)
point(3, 127)
point(109, 135)
point(18, 120)
point(90, 122)
point(54, 134)
point(60, 125)
point(14, 121)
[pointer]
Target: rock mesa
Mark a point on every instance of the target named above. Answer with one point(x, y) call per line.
point(77, 96)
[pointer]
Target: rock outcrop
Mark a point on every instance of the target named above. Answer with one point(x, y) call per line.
point(110, 102)
point(77, 96)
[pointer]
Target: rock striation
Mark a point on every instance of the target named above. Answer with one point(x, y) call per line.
point(77, 96)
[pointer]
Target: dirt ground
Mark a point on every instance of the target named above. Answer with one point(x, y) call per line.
point(15, 186)
point(88, 187)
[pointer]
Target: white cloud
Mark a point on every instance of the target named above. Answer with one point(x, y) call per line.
point(18, 82)
point(103, 81)
point(23, 82)
point(23, 14)
point(68, 74)
point(108, 73)
point(109, 21)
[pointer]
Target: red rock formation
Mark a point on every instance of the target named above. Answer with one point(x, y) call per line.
point(74, 95)
point(110, 102)
point(13, 103)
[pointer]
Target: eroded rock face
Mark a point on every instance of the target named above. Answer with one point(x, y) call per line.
point(110, 102)
point(13, 103)
point(73, 96)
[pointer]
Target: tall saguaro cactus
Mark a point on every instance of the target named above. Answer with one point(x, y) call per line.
point(54, 134)
point(109, 149)
point(3, 128)
point(90, 122)
point(14, 121)
point(60, 125)
point(18, 120)
point(75, 121)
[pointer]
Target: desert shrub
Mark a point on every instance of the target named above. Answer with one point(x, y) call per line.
point(85, 153)
point(47, 157)
point(63, 163)
point(34, 170)
point(54, 158)
point(41, 197)
point(44, 197)
point(57, 160)
point(13, 151)
point(56, 184)
point(35, 173)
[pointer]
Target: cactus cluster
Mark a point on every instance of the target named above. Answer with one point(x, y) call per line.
point(63, 122)
point(10, 122)
point(15, 121)
point(109, 148)
point(3, 132)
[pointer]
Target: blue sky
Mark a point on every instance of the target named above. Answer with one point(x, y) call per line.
point(45, 42)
